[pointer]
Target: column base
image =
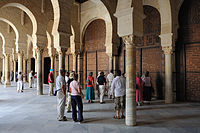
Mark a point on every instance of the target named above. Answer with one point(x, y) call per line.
point(7, 84)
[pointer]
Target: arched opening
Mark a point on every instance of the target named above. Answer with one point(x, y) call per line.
point(188, 52)
point(94, 54)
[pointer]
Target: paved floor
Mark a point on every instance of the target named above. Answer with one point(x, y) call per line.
point(28, 113)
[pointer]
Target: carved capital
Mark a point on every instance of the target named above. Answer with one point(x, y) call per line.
point(128, 40)
point(39, 49)
point(167, 49)
point(61, 50)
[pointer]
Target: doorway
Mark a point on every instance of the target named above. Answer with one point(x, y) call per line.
point(47, 66)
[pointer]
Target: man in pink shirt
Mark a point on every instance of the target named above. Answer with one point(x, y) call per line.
point(76, 100)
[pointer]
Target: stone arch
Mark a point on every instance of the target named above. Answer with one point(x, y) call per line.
point(61, 29)
point(3, 39)
point(31, 16)
point(97, 14)
point(14, 28)
point(72, 41)
point(164, 7)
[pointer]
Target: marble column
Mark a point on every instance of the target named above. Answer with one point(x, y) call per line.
point(80, 68)
point(7, 70)
point(3, 71)
point(130, 81)
point(74, 62)
point(24, 71)
point(168, 74)
point(14, 70)
point(39, 72)
point(61, 59)
point(20, 62)
point(115, 64)
point(110, 63)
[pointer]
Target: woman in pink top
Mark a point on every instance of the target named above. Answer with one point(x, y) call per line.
point(76, 99)
point(139, 91)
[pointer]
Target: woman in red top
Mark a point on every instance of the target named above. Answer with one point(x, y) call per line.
point(90, 95)
point(139, 98)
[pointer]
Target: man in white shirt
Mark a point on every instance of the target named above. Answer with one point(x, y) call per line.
point(31, 79)
point(119, 88)
point(110, 78)
point(61, 95)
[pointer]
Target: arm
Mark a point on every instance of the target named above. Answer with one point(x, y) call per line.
point(112, 87)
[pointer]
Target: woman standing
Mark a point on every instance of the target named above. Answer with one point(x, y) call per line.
point(147, 87)
point(90, 95)
point(139, 98)
point(76, 100)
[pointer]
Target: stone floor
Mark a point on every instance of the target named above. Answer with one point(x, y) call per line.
point(28, 113)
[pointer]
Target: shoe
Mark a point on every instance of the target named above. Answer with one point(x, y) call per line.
point(92, 101)
point(102, 102)
point(69, 111)
point(116, 117)
point(80, 122)
point(122, 117)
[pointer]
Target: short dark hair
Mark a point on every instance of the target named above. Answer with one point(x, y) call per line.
point(111, 71)
point(76, 76)
point(62, 70)
point(118, 73)
point(147, 74)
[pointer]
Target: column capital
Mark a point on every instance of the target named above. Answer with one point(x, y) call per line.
point(39, 49)
point(167, 49)
point(61, 50)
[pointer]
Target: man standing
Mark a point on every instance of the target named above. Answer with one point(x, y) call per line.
point(102, 85)
point(51, 82)
point(30, 79)
point(119, 88)
point(61, 95)
point(110, 78)
point(69, 105)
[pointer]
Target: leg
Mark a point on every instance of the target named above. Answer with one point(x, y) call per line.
point(80, 108)
point(122, 102)
point(117, 107)
point(74, 111)
point(61, 104)
point(101, 93)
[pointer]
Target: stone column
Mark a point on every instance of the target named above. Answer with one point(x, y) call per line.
point(61, 59)
point(3, 70)
point(80, 66)
point(52, 61)
point(74, 62)
point(168, 74)
point(14, 70)
point(7, 70)
point(110, 63)
point(24, 71)
point(39, 71)
point(130, 80)
point(114, 64)
point(20, 62)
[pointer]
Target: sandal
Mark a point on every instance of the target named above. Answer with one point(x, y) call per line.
point(116, 117)
point(122, 117)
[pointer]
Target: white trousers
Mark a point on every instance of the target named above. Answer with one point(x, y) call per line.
point(61, 99)
point(101, 89)
point(19, 86)
point(30, 82)
point(51, 89)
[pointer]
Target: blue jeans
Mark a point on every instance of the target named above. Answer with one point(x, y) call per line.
point(77, 100)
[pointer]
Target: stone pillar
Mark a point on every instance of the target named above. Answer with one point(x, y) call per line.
point(130, 80)
point(39, 72)
point(80, 66)
point(20, 62)
point(52, 62)
point(110, 63)
point(114, 64)
point(168, 74)
point(24, 71)
point(74, 63)
point(61, 59)
point(14, 70)
point(3, 71)
point(7, 70)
